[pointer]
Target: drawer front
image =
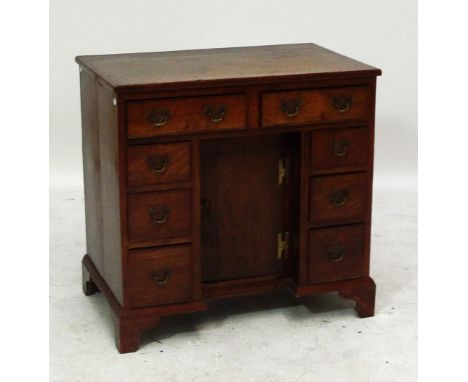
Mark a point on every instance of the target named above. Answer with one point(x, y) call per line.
point(160, 276)
point(184, 115)
point(336, 253)
point(338, 198)
point(307, 106)
point(335, 148)
point(161, 163)
point(159, 215)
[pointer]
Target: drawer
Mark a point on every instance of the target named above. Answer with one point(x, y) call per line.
point(338, 198)
point(307, 106)
point(161, 163)
point(336, 253)
point(179, 115)
point(335, 148)
point(160, 215)
point(160, 276)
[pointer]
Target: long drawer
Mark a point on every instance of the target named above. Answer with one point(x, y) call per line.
point(307, 106)
point(168, 116)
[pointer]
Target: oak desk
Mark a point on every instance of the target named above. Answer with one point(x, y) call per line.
point(215, 173)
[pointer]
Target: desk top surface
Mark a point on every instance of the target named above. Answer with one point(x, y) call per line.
point(224, 65)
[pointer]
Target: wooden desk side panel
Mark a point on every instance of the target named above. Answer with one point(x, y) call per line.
point(101, 180)
point(91, 169)
point(110, 190)
point(370, 176)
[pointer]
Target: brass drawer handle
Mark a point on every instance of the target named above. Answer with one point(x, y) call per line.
point(158, 163)
point(339, 196)
point(159, 117)
point(291, 107)
point(340, 147)
point(336, 254)
point(161, 276)
point(215, 112)
point(159, 214)
point(342, 103)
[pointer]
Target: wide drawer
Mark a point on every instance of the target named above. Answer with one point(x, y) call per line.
point(338, 148)
point(160, 276)
point(336, 253)
point(160, 163)
point(168, 116)
point(307, 106)
point(160, 215)
point(338, 198)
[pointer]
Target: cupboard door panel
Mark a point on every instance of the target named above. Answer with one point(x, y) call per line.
point(242, 207)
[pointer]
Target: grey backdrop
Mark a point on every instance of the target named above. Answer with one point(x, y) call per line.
point(379, 32)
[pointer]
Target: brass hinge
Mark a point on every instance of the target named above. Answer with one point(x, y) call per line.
point(283, 171)
point(283, 245)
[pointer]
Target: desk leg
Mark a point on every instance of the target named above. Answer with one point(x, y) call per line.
point(89, 287)
point(363, 294)
point(128, 331)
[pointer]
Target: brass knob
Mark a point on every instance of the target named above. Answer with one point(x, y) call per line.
point(159, 214)
point(158, 163)
point(342, 103)
point(161, 276)
point(336, 254)
point(158, 117)
point(340, 147)
point(291, 107)
point(339, 196)
point(215, 112)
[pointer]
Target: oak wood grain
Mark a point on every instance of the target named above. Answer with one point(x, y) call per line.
point(309, 106)
point(186, 114)
point(222, 66)
point(336, 253)
point(332, 149)
point(157, 164)
point(242, 210)
point(160, 276)
point(159, 215)
point(338, 198)
point(92, 169)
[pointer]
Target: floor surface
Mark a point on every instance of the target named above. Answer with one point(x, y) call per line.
point(270, 338)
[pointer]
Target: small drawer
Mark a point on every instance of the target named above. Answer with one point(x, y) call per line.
point(335, 148)
point(338, 198)
point(160, 215)
point(185, 115)
point(336, 253)
point(156, 164)
point(308, 106)
point(160, 276)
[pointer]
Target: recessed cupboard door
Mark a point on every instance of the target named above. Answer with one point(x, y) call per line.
point(243, 191)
